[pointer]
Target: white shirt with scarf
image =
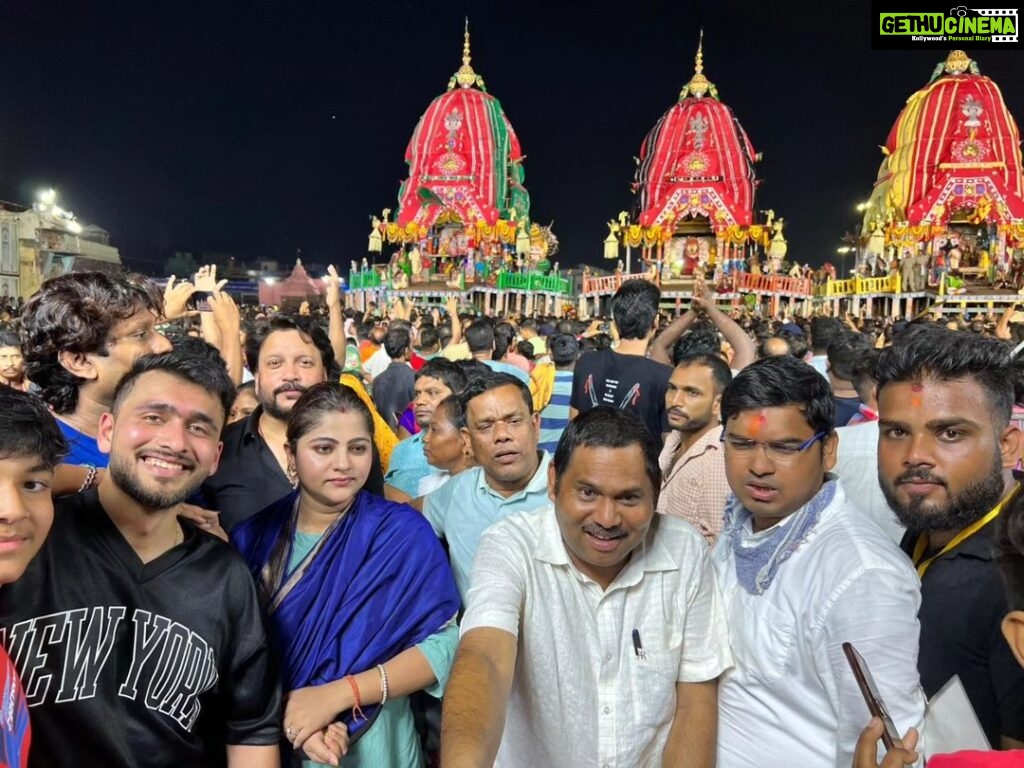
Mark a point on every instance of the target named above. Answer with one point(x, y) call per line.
point(791, 698)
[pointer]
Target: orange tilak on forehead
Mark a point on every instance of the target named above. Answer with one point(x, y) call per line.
point(757, 424)
point(915, 399)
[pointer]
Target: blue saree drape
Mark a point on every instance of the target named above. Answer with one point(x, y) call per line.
point(378, 583)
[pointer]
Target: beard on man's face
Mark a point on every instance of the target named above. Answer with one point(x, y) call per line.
point(270, 404)
point(961, 508)
point(153, 499)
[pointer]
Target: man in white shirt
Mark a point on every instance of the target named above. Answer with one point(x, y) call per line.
point(594, 632)
point(803, 571)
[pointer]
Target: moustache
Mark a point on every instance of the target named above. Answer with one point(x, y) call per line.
point(921, 476)
point(289, 386)
point(604, 533)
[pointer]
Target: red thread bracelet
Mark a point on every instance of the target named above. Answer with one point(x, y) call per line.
point(357, 709)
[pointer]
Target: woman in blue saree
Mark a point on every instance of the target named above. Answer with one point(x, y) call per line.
point(359, 593)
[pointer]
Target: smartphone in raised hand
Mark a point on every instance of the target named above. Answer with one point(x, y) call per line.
point(866, 683)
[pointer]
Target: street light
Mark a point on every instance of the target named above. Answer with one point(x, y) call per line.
point(843, 253)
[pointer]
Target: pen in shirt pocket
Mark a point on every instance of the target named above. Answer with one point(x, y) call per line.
point(638, 647)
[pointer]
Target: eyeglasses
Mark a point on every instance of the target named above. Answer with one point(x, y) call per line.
point(774, 451)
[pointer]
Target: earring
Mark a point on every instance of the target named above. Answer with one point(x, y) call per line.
point(293, 475)
point(1018, 470)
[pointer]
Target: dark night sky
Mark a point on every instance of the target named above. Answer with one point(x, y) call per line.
point(255, 130)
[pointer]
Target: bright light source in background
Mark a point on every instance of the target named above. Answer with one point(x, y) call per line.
point(75, 227)
point(269, 280)
point(48, 196)
point(861, 207)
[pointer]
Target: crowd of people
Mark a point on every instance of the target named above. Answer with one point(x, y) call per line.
point(416, 535)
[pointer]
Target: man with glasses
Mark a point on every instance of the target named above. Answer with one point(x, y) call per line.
point(803, 571)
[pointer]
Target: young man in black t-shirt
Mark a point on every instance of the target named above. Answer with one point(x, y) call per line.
point(138, 638)
point(625, 378)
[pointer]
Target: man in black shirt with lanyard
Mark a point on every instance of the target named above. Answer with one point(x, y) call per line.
point(139, 638)
point(945, 449)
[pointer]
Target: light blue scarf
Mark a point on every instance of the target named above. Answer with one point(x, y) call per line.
point(757, 565)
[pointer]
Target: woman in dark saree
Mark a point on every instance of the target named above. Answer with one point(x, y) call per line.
point(358, 589)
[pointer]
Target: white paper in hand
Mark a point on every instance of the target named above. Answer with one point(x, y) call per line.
point(950, 724)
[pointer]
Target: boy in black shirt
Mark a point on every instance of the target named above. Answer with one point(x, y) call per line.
point(138, 637)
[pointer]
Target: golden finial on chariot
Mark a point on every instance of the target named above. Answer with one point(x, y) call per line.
point(699, 84)
point(465, 77)
point(957, 62)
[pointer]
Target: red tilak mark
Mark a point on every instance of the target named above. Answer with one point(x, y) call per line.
point(917, 387)
point(759, 422)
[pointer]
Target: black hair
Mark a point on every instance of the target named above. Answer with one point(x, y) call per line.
point(28, 429)
point(824, 330)
point(428, 338)
point(525, 348)
point(780, 381)
point(797, 343)
point(845, 352)
point(454, 410)
point(504, 334)
point(1008, 550)
point(719, 368)
point(607, 427)
point(480, 337)
point(473, 369)
point(564, 349)
point(700, 340)
point(634, 307)
point(76, 313)
point(566, 326)
point(528, 323)
point(863, 379)
point(601, 341)
point(322, 398)
point(186, 365)
point(445, 370)
point(9, 339)
point(246, 386)
point(933, 352)
point(479, 385)
point(308, 328)
point(396, 342)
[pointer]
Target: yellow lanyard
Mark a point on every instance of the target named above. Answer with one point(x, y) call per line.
point(960, 538)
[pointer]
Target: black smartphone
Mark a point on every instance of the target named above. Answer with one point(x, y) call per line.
point(199, 301)
point(868, 689)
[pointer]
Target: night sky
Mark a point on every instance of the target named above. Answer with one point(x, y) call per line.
point(256, 130)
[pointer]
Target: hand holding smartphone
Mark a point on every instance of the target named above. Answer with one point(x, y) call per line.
point(868, 689)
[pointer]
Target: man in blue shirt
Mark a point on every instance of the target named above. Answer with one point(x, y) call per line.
point(511, 476)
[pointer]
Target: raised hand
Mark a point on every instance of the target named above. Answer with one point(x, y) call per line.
point(332, 294)
point(176, 296)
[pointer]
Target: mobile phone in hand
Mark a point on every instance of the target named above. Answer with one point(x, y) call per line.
point(868, 689)
point(199, 301)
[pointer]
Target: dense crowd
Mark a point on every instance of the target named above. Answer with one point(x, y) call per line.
point(420, 535)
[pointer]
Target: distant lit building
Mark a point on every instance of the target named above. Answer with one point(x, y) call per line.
point(43, 241)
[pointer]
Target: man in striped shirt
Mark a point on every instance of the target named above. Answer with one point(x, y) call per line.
point(564, 349)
